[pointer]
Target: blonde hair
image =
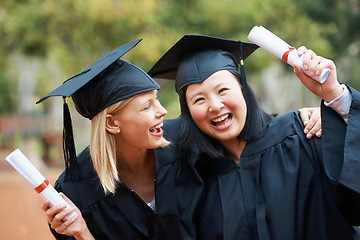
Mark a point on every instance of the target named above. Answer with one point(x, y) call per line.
point(103, 148)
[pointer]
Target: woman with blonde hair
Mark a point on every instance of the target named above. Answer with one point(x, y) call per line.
point(130, 182)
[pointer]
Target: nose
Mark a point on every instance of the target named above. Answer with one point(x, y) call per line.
point(161, 111)
point(215, 105)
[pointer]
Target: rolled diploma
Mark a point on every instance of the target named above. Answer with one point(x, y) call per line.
point(276, 46)
point(41, 185)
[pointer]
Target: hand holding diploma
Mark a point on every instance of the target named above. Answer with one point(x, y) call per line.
point(75, 226)
point(40, 184)
point(307, 65)
point(63, 216)
point(313, 64)
point(276, 46)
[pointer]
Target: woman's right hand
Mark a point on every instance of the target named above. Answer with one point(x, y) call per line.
point(75, 226)
point(315, 64)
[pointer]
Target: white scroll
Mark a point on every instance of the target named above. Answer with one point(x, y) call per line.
point(40, 184)
point(276, 46)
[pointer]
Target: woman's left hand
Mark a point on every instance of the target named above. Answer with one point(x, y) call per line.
point(313, 65)
point(311, 118)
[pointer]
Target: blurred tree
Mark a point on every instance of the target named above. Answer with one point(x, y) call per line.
point(344, 42)
point(234, 19)
point(344, 14)
point(46, 42)
point(74, 34)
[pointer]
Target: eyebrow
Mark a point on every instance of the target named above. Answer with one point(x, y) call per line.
point(199, 93)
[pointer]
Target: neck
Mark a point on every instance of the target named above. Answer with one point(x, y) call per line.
point(136, 170)
point(234, 149)
point(135, 162)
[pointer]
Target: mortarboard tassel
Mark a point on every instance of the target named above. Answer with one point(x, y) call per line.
point(242, 67)
point(242, 72)
point(72, 171)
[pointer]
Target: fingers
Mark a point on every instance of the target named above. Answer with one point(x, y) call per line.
point(52, 211)
point(312, 67)
point(312, 63)
point(311, 118)
point(308, 56)
point(301, 68)
point(315, 130)
point(63, 227)
point(58, 218)
point(301, 50)
point(45, 205)
point(305, 115)
point(58, 223)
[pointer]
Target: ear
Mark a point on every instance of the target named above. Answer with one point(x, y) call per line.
point(111, 124)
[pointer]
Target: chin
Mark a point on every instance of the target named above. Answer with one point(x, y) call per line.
point(226, 138)
point(157, 143)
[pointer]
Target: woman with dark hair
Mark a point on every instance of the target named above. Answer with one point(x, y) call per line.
point(255, 126)
point(263, 178)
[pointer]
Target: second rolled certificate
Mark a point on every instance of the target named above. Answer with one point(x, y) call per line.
point(279, 48)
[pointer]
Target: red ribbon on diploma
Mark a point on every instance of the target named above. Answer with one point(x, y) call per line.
point(42, 186)
point(286, 54)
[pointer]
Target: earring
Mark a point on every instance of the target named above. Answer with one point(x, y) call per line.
point(118, 131)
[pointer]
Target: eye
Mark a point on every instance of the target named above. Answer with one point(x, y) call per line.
point(198, 100)
point(146, 107)
point(222, 90)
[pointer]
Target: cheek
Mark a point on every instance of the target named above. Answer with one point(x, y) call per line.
point(139, 124)
point(198, 114)
point(241, 109)
point(241, 103)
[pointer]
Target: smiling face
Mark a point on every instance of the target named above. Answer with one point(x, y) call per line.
point(217, 106)
point(140, 122)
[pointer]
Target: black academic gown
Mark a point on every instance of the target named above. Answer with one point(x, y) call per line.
point(124, 215)
point(286, 186)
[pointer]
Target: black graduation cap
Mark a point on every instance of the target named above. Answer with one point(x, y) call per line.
point(103, 83)
point(195, 57)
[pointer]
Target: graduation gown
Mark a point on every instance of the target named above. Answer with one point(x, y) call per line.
point(286, 186)
point(124, 215)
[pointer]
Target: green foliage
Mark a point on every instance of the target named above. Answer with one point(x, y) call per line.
point(344, 14)
point(169, 98)
point(74, 34)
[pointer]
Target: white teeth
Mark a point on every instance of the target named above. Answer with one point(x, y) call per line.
point(157, 126)
point(221, 118)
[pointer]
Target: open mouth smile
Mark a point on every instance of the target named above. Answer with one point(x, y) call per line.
point(222, 121)
point(156, 130)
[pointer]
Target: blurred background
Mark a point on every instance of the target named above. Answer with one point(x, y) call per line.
point(43, 43)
